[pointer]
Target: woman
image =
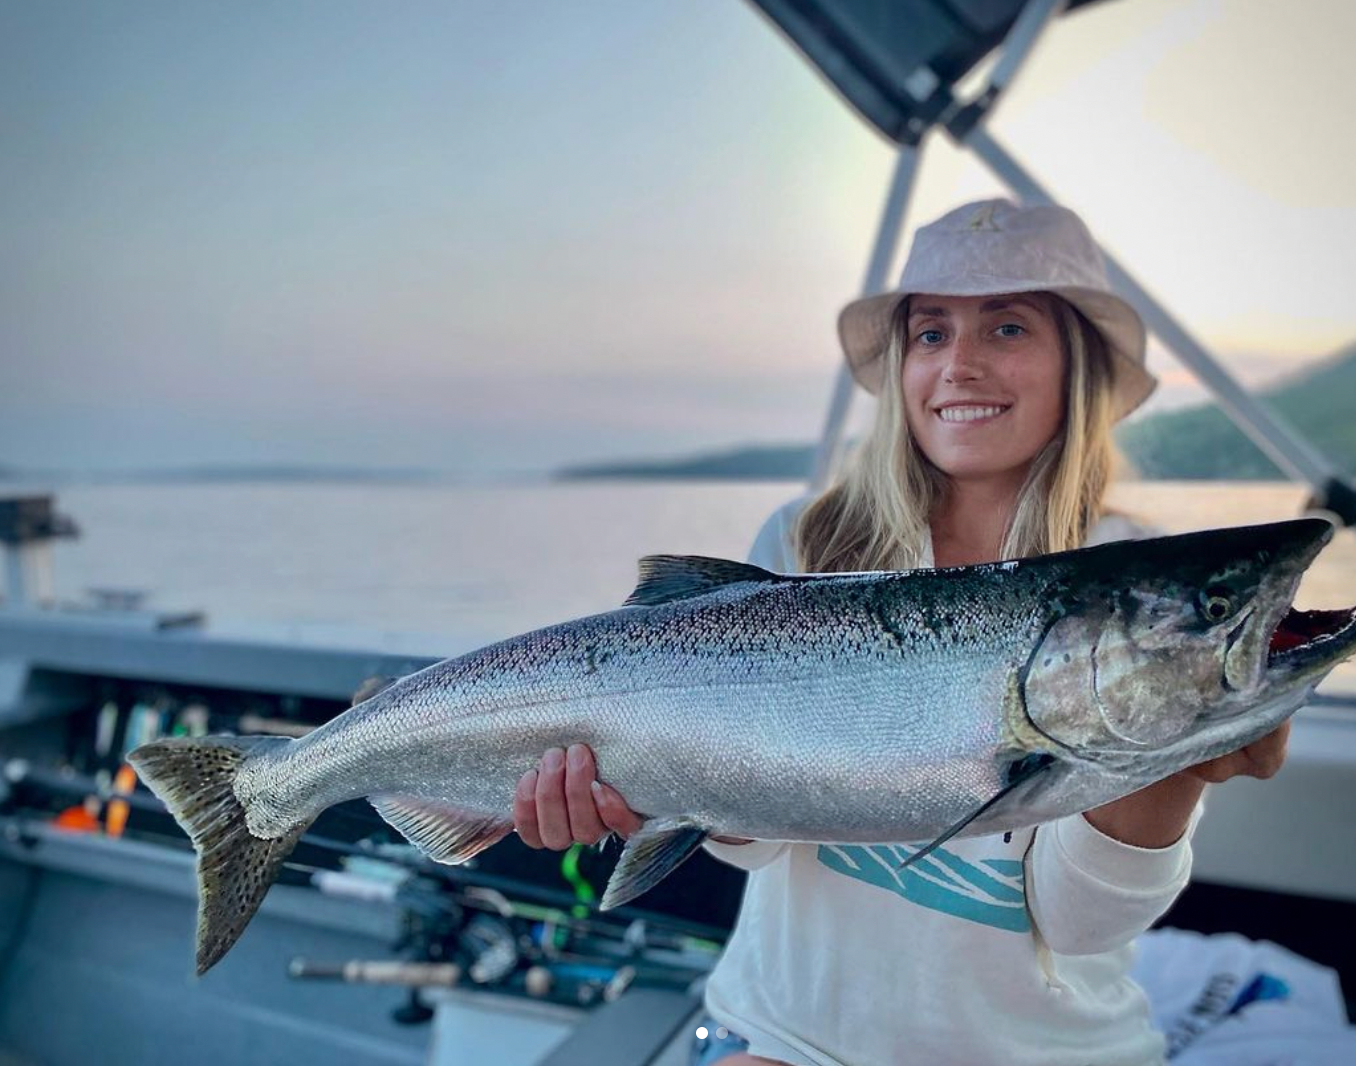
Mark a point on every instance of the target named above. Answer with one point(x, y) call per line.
point(1001, 364)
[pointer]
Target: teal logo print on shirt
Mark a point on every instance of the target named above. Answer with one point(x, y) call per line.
point(992, 892)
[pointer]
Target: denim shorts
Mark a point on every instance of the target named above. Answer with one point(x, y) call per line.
point(713, 1042)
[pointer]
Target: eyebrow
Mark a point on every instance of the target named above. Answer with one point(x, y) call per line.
point(998, 304)
point(1004, 303)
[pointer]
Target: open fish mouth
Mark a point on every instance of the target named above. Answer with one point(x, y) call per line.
point(1305, 637)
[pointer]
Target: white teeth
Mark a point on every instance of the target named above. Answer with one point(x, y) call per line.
point(968, 414)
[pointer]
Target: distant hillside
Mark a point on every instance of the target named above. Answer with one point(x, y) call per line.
point(764, 462)
point(1201, 443)
point(1193, 443)
point(230, 474)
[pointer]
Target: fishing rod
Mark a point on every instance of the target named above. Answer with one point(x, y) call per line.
point(458, 927)
point(18, 774)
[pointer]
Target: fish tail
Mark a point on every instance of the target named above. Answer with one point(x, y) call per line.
point(195, 777)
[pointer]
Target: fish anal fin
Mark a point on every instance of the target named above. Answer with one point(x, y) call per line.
point(651, 854)
point(444, 833)
point(1019, 773)
point(665, 578)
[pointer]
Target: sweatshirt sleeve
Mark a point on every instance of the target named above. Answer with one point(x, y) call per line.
point(748, 857)
point(1089, 893)
point(772, 550)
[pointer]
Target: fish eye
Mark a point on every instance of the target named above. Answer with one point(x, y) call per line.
point(1216, 603)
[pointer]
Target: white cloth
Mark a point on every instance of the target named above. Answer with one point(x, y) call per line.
point(1012, 950)
point(1225, 1000)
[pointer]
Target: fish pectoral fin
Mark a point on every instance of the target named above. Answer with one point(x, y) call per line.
point(665, 578)
point(653, 852)
point(444, 833)
point(1018, 774)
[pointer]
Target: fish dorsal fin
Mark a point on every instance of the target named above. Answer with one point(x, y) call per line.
point(665, 578)
point(444, 833)
point(371, 686)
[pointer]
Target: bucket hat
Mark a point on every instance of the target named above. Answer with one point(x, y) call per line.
point(993, 247)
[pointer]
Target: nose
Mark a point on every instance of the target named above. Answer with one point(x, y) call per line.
point(964, 361)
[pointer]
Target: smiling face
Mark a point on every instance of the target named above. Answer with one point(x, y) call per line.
point(983, 382)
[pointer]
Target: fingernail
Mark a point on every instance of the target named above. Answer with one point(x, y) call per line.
point(527, 784)
point(553, 760)
point(576, 756)
point(597, 791)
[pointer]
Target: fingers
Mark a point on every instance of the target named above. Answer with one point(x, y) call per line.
point(525, 810)
point(1261, 759)
point(580, 772)
point(553, 819)
point(1216, 771)
point(1268, 754)
point(562, 802)
point(615, 814)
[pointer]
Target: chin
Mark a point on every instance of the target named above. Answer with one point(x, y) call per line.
point(982, 468)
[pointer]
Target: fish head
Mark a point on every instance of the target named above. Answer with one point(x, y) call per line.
point(1185, 644)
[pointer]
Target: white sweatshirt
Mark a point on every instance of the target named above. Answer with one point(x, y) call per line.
point(1011, 950)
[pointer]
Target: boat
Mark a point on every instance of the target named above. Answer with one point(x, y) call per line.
point(97, 890)
point(365, 953)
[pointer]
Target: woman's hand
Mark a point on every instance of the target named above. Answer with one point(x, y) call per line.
point(562, 802)
point(1262, 758)
point(1157, 816)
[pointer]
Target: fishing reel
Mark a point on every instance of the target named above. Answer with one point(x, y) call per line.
point(459, 932)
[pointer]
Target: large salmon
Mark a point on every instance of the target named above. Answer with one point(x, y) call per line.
point(870, 708)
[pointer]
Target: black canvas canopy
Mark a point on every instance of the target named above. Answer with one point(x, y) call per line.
point(896, 61)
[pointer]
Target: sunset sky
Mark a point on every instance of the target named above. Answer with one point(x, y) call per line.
point(503, 236)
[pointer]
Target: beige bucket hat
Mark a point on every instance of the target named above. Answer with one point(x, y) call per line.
point(993, 247)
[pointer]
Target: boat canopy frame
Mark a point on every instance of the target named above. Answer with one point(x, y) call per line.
point(897, 63)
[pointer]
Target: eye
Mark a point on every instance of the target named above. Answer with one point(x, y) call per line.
point(1011, 329)
point(1216, 603)
point(930, 336)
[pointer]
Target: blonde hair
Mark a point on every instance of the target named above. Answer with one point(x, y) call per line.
point(876, 516)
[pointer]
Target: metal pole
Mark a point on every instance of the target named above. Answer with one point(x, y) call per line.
point(877, 275)
point(1018, 45)
point(1285, 447)
point(1021, 39)
point(28, 568)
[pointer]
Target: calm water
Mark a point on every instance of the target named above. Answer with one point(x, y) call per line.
point(438, 570)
